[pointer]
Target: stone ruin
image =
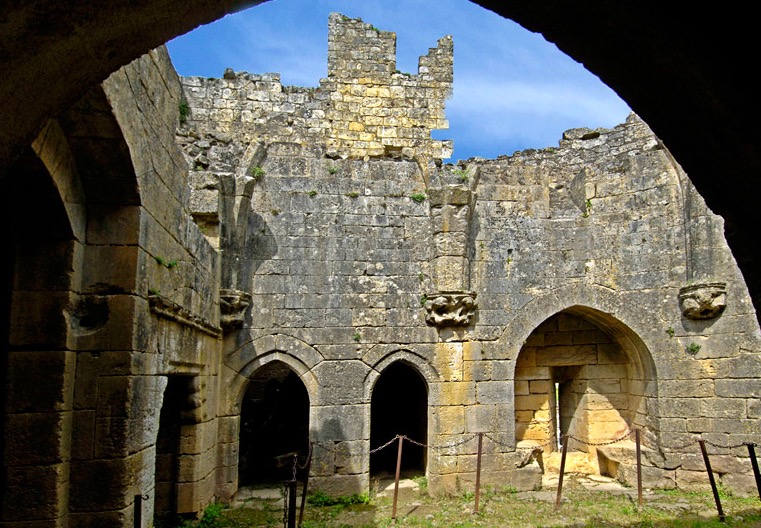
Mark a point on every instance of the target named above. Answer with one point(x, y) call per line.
point(274, 270)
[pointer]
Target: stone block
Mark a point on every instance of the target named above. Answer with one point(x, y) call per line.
point(57, 371)
point(449, 419)
point(35, 493)
point(455, 393)
point(340, 423)
point(450, 273)
point(449, 361)
point(493, 392)
point(532, 402)
point(560, 356)
point(37, 320)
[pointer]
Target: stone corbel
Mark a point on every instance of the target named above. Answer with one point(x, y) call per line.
point(232, 306)
point(450, 308)
point(703, 301)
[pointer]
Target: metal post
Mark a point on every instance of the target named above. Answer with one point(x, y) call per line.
point(138, 511)
point(396, 478)
point(306, 485)
point(754, 463)
point(478, 471)
point(639, 467)
point(716, 498)
point(564, 438)
point(292, 503)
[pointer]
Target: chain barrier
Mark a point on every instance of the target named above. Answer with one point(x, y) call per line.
point(627, 434)
point(285, 505)
point(384, 445)
point(308, 458)
point(729, 447)
point(551, 441)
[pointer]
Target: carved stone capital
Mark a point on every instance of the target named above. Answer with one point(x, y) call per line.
point(703, 301)
point(450, 308)
point(232, 307)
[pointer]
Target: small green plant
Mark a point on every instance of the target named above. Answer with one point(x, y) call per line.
point(417, 197)
point(587, 208)
point(422, 483)
point(693, 348)
point(352, 194)
point(332, 168)
point(275, 212)
point(670, 331)
point(256, 172)
point(153, 291)
point(423, 299)
point(211, 515)
point(312, 193)
point(510, 489)
point(184, 112)
point(357, 337)
point(321, 499)
point(420, 276)
point(161, 261)
point(462, 174)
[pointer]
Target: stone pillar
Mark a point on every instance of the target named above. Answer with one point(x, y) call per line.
point(452, 304)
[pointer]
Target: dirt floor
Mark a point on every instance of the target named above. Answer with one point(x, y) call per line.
point(587, 501)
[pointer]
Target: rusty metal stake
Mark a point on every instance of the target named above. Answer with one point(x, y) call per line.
point(754, 463)
point(564, 438)
point(306, 485)
point(478, 471)
point(138, 521)
point(716, 498)
point(639, 467)
point(396, 478)
point(292, 503)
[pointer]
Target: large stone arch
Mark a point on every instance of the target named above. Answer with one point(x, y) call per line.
point(37, 359)
point(615, 315)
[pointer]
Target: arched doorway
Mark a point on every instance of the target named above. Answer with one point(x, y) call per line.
point(399, 405)
point(37, 364)
point(274, 425)
point(575, 377)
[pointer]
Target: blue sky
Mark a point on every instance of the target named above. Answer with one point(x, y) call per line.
point(512, 89)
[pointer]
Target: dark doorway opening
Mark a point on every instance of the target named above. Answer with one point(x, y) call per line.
point(173, 417)
point(274, 426)
point(399, 405)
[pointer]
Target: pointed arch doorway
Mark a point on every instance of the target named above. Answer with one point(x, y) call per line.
point(399, 405)
point(274, 425)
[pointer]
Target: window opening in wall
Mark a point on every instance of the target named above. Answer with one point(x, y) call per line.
point(399, 405)
point(274, 425)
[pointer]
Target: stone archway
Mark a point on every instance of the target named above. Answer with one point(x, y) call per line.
point(399, 405)
point(37, 365)
point(274, 425)
point(574, 378)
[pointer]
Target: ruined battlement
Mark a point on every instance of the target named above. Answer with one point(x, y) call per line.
point(364, 109)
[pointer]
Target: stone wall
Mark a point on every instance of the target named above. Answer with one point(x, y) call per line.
point(355, 260)
point(331, 255)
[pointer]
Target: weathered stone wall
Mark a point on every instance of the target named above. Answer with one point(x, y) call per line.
point(176, 325)
point(357, 260)
point(365, 108)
